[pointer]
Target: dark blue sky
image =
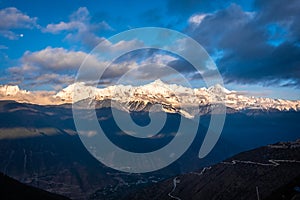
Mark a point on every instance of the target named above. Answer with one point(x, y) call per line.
point(255, 44)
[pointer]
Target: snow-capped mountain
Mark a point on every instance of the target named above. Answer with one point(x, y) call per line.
point(11, 90)
point(172, 98)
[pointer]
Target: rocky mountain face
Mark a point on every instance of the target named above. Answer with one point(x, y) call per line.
point(172, 98)
point(270, 172)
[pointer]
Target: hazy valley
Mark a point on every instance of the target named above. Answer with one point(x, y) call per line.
point(40, 147)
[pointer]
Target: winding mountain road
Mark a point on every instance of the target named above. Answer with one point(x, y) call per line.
point(272, 162)
point(175, 182)
point(202, 171)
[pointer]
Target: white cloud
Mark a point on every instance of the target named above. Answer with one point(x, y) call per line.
point(9, 34)
point(62, 26)
point(56, 59)
point(79, 21)
point(24, 69)
point(54, 79)
point(11, 19)
point(60, 59)
point(80, 28)
point(121, 46)
point(159, 59)
point(196, 19)
point(151, 68)
point(50, 66)
point(58, 66)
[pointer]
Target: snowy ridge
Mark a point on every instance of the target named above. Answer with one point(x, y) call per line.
point(11, 90)
point(173, 98)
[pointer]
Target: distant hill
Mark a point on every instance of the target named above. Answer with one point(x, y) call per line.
point(271, 172)
point(11, 189)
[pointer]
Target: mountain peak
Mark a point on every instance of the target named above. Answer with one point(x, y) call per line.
point(218, 89)
point(11, 90)
point(158, 82)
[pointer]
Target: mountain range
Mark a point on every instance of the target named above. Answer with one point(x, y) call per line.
point(173, 98)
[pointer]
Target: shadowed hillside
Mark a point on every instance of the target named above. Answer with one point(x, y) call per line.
point(11, 189)
point(270, 172)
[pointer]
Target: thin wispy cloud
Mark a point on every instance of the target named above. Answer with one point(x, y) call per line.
point(79, 28)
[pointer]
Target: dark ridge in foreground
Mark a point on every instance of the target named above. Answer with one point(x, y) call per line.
point(271, 172)
point(11, 189)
